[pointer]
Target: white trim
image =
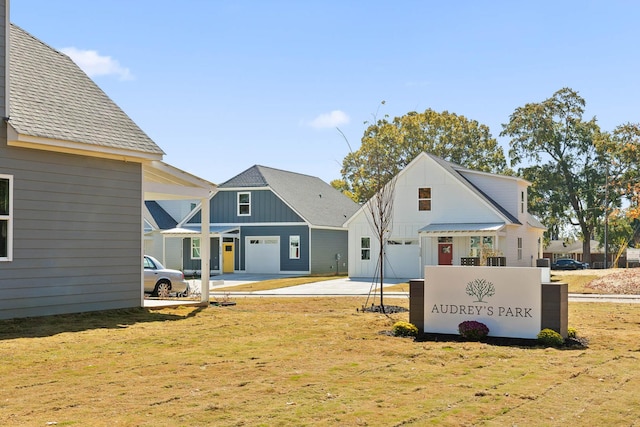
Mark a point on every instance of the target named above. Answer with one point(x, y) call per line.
point(239, 204)
point(199, 247)
point(360, 248)
point(9, 219)
point(14, 139)
point(232, 189)
point(293, 237)
point(7, 49)
point(247, 224)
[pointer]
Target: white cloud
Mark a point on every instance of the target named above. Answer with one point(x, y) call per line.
point(330, 120)
point(94, 64)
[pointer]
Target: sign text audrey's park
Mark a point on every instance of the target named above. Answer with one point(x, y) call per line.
point(506, 299)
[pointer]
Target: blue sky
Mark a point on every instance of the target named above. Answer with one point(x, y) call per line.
point(224, 85)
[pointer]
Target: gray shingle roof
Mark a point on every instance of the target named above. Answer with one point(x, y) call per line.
point(316, 201)
point(51, 97)
point(160, 216)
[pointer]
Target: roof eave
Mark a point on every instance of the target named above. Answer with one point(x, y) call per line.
point(71, 147)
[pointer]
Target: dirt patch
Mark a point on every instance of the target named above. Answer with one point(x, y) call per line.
point(617, 281)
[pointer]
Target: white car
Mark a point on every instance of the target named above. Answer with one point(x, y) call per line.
point(160, 281)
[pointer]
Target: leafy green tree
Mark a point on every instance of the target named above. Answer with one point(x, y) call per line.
point(621, 149)
point(388, 146)
point(566, 165)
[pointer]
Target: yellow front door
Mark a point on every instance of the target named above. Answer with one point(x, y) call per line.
point(227, 258)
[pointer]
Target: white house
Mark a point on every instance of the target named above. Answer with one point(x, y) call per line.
point(445, 214)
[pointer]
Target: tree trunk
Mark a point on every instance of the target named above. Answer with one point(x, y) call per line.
point(382, 272)
point(586, 246)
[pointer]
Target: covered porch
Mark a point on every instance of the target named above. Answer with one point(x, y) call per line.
point(162, 181)
point(461, 243)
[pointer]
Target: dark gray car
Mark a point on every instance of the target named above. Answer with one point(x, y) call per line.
point(569, 264)
point(161, 282)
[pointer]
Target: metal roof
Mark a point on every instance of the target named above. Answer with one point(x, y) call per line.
point(491, 227)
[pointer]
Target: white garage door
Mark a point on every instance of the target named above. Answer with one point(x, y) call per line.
point(402, 258)
point(262, 255)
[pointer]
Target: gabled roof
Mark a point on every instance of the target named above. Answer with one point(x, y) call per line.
point(53, 103)
point(458, 171)
point(313, 199)
point(163, 220)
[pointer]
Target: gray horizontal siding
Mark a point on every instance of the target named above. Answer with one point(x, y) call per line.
point(324, 247)
point(77, 234)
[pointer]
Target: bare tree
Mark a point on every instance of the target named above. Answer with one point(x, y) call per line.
point(380, 205)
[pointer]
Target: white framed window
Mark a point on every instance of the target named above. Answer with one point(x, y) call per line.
point(522, 202)
point(365, 248)
point(195, 248)
point(6, 217)
point(424, 199)
point(294, 247)
point(244, 204)
point(519, 248)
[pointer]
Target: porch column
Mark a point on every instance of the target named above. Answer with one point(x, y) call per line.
point(205, 250)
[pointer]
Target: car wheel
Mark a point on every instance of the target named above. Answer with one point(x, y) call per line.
point(162, 289)
point(185, 293)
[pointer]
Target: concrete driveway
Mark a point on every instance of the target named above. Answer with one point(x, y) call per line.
point(342, 286)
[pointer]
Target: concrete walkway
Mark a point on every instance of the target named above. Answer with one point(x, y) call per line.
point(340, 287)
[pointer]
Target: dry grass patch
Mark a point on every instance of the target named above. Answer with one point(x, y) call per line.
point(577, 284)
point(307, 361)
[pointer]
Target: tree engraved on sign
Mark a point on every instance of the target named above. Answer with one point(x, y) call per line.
point(480, 288)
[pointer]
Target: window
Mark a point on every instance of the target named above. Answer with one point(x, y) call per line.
point(519, 247)
point(6, 219)
point(244, 204)
point(424, 199)
point(522, 202)
point(480, 244)
point(195, 248)
point(294, 247)
point(398, 242)
point(365, 248)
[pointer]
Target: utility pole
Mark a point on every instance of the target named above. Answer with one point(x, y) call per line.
point(606, 217)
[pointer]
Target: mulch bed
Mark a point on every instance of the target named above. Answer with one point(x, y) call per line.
point(569, 343)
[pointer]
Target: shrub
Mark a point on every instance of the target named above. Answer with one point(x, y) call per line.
point(472, 330)
point(405, 329)
point(550, 338)
point(572, 332)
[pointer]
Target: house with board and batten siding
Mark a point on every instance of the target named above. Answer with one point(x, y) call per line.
point(74, 171)
point(445, 214)
point(267, 220)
